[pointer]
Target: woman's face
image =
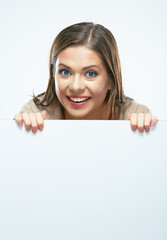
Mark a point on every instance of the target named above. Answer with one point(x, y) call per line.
point(82, 82)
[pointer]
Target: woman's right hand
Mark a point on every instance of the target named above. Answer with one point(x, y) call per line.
point(34, 121)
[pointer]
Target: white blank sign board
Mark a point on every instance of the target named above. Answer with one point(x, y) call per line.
point(86, 180)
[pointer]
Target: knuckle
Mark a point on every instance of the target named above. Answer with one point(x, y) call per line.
point(39, 116)
point(33, 120)
point(141, 116)
point(140, 120)
point(148, 118)
point(40, 121)
point(17, 117)
point(133, 119)
point(31, 115)
point(133, 116)
point(24, 114)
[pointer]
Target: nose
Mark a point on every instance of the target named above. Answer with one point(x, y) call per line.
point(77, 85)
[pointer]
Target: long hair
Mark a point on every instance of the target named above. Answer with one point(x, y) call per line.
point(95, 37)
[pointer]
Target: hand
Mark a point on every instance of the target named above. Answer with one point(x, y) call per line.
point(142, 121)
point(34, 121)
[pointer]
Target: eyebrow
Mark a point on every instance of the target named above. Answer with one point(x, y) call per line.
point(61, 64)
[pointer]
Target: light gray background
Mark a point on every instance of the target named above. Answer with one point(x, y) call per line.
point(28, 28)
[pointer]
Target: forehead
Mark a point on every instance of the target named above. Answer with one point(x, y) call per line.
point(79, 55)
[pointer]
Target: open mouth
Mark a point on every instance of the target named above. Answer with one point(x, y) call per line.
point(78, 99)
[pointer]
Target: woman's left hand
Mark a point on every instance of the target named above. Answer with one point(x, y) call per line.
point(142, 121)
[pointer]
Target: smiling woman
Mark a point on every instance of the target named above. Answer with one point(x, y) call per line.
point(82, 82)
point(85, 82)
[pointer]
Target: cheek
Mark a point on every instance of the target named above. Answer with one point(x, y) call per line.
point(59, 86)
point(100, 89)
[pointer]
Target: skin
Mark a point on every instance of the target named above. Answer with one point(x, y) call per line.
point(76, 77)
point(32, 121)
point(142, 122)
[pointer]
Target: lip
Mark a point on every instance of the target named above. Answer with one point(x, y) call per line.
point(73, 96)
point(79, 104)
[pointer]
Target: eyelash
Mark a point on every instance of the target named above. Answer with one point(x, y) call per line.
point(61, 72)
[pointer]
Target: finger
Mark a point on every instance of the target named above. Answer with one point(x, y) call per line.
point(40, 121)
point(44, 115)
point(133, 121)
point(19, 120)
point(147, 122)
point(128, 116)
point(33, 120)
point(140, 123)
point(154, 120)
point(27, 121)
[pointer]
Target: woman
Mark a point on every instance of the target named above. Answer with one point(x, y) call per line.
point(85, 82)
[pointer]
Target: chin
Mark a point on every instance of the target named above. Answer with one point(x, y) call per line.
point(77, 116)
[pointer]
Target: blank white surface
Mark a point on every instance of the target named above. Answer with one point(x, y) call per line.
point(83, 180)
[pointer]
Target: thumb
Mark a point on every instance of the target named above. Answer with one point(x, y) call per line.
point(44, 115)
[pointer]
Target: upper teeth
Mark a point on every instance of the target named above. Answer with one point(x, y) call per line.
point(78, 99)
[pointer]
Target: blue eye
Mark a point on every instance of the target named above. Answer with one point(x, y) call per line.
point(92, 74)
point(64, 72)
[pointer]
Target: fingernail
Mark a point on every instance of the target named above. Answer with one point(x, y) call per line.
point(141, 130)
point(147, 129)
point(133, 129)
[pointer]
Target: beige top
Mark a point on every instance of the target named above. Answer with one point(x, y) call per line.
point(55, 111)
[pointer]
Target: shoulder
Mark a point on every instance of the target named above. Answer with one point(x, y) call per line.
point(53, 110)
point(131, 107)
point(31, 107)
